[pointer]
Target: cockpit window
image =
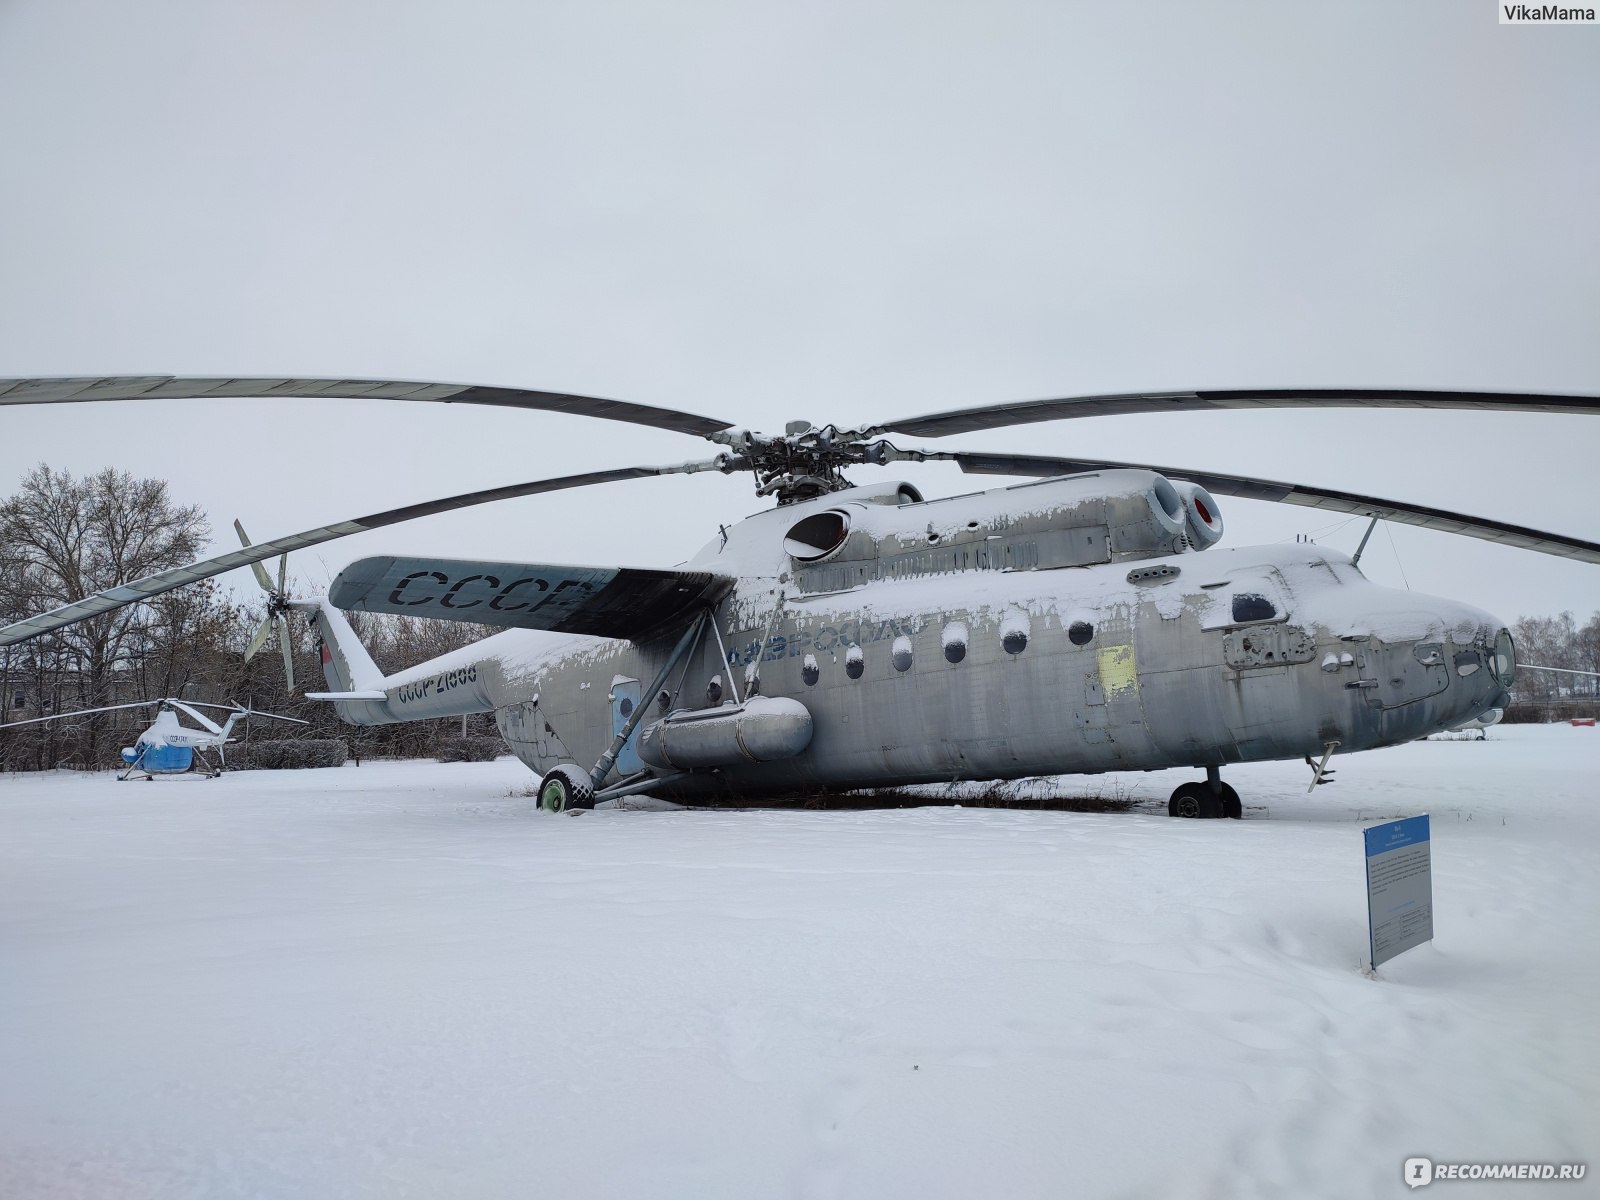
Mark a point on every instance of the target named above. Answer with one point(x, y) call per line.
point(1252, 606)
point(1504, 662)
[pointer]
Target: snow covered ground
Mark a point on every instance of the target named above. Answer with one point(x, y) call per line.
point(401, 980)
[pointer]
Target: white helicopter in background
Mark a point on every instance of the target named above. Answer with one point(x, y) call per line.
point(168, 747)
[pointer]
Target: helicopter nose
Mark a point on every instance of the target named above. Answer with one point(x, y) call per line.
point(1493, 656)
point(1427, 664)
point(1481, 662)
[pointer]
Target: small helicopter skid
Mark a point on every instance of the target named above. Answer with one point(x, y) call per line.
point(200, 767)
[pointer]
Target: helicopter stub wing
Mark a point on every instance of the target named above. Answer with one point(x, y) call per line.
point(615, 602)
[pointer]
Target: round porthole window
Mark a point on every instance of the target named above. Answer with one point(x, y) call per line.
point(1080, 633)
point(954, 641)
point(1014, 632)
point(900, 656)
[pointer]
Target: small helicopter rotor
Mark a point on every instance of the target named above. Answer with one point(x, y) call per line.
point(81, 712)
point(206, 722)
point(188, 706)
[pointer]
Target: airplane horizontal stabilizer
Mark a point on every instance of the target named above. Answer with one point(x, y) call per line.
point(614, 602)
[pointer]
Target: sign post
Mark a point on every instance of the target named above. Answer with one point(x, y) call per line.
point(1399, 887)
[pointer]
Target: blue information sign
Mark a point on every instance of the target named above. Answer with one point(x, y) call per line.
point(1399, 887)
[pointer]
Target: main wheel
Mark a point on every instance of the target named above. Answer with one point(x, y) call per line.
point(1195, 800)
point(565, 786)
point(1231, 806)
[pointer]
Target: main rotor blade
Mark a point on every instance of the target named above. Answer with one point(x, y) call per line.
point(1026, 412)
point(256, 712)
point(166, 581)
point(1294, 493)
point(170, 387)
point(82, 712)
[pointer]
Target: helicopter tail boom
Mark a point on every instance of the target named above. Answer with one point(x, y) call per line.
point(363, 695)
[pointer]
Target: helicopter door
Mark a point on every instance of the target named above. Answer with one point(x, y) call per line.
point(624, 699)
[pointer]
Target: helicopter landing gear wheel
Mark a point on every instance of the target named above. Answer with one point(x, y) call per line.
point(565, 787)
point(1197, 800)
point(1232, 808)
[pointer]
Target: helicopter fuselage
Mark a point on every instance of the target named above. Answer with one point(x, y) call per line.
point(991, 670)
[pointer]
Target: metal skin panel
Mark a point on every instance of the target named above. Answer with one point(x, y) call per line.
point(613, 602)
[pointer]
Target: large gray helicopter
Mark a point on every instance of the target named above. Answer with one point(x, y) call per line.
point(854, 637)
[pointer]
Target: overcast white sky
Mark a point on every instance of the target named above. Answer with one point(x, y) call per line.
point(839, 212)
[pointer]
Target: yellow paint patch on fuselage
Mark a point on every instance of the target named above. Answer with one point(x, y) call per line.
point(1117, 671)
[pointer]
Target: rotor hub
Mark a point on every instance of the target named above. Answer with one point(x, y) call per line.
point(805, 462)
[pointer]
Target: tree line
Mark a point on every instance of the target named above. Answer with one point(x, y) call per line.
point(1562, 643)
point(63, 538)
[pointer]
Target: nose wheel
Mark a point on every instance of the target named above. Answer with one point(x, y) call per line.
point(565, 787)
point(1206, 799)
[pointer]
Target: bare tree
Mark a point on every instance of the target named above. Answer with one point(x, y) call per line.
point(63, 538)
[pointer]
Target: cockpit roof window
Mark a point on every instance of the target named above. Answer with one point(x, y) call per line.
point(1251, 597)
point(1252, 606)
